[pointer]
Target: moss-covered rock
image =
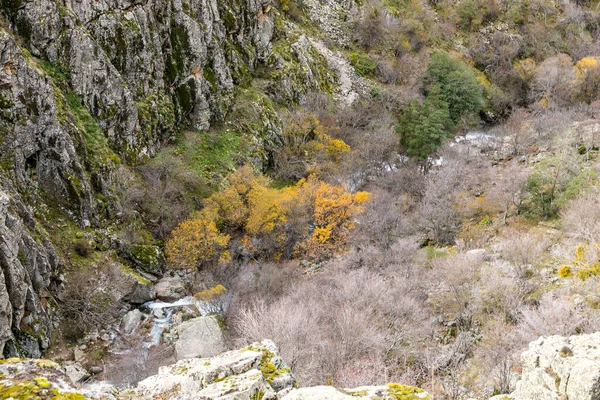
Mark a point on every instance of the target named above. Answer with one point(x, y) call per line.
point(148, 258)
point(35, 380)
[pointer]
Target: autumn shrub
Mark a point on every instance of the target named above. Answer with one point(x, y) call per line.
point(196, 241)
point(308, 148)
point(587, 79)
point(585, 264)
point(312, 217)
point(214, 299)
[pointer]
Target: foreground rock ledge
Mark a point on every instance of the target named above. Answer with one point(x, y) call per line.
point(557, 367)
point(255, 372)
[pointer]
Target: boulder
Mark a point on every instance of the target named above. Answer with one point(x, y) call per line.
point(76, 372)
point(199, 337)
point(78, 353)
point(170, 289)
point(131, 321)
point(141, 293)
point(253, 372)
point(557, 367)
point(147, 258)
point(240, 374)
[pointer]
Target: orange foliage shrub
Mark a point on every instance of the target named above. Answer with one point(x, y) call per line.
point(334, 211)
point(308, 149)
point(311, 217)
point(196, 241)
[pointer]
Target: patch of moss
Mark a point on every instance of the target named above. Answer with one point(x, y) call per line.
point(184, 97)
point(22, 257)
point(209, 75)
point(39, 388)
point(136, 275)
point(179, 40)
point(269, 370)
point(156, 115)
point(212, 153)
point(11, 360)
point(5, 103)
point(42, 382)
point(404, 392)
point(363, 65)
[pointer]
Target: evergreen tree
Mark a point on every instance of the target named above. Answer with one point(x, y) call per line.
point(423, 128)
point(457, 83)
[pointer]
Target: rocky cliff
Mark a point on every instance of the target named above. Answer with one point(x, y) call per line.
point(89, 86)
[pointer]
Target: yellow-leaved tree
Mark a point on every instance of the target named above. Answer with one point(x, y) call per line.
point(196, 242)
point(587, 79)
point(333, 218)
point(311, 217)
point(309, 148)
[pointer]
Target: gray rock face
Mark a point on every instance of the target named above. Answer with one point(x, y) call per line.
point(557, 367)
point(128, 58)
point(28, 269)
point(37, 149)
point(199, 337)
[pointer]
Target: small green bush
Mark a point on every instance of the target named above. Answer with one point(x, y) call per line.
point(363, 65)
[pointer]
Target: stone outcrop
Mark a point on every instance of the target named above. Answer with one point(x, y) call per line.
point(170, 288)
point(131, 321)
point(558, 367)
point(254, 372)
point(239, 374)
point(44, 379)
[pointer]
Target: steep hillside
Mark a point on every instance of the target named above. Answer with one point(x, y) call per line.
point(391, 190)
point(89, 88)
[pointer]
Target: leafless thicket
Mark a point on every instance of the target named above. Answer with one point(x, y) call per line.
point(346, 327)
